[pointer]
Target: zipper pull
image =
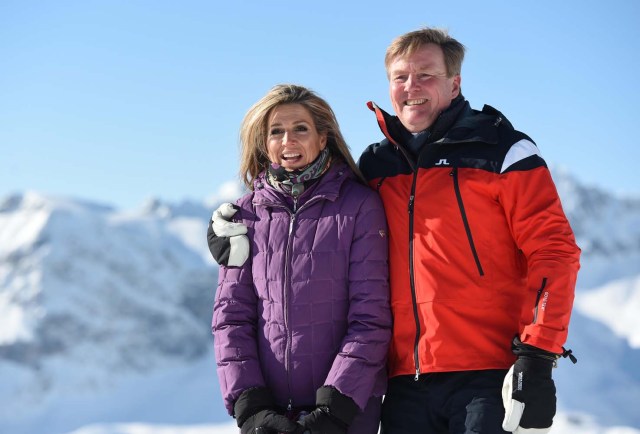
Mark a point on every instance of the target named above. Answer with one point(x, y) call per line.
point(296, 191)
point(568, 353)
point(411, 203)
point(293, 218)
point(417, 376)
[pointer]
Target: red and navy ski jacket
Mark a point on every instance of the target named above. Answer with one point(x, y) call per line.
point(480, 249)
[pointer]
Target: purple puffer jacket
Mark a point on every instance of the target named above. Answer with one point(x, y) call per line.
point(311, 305)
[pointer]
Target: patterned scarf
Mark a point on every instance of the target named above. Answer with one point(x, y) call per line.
point(293, 182)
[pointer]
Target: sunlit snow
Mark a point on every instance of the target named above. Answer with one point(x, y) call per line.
point(105, 317)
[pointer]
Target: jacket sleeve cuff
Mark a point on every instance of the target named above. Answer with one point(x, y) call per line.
point(250, 402)
point(340, 406)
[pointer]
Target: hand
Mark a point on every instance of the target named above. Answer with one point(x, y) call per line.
point(227, 240)
point(319, 421)
point(269, 422)
point(255, 413)
point(529, 396)
point(333, 415)
point(222, 224)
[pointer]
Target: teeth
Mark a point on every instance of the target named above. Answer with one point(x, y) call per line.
point(286, 156)
point(416, 101)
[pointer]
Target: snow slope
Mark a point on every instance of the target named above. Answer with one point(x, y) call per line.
point(105, 317)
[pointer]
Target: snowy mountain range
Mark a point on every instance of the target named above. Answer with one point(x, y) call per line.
point(105, 317)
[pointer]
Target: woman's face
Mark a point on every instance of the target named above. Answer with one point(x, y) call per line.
point(292, 138)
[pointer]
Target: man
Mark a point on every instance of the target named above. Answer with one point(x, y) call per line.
point(482, 258)
point(483, 261)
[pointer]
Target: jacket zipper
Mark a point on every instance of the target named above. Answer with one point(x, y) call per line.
point(535, 308)
point(465, 220)
point(285, 291)
point(412, 280)
point(287, 286)
point(412, 283)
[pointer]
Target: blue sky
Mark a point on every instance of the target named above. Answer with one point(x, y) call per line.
point(117, 101)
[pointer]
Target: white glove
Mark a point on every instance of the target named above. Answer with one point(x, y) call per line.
point(228, 241)
point(514, 409)
point(222, 224)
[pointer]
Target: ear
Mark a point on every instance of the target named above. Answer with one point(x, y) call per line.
point(455, 86)
point(323, 141)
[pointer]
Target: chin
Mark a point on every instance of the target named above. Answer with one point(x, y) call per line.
point(418, 126)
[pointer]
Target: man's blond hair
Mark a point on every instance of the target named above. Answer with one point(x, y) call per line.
point(409, 43)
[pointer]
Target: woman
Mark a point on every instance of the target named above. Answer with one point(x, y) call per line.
point(302, 328)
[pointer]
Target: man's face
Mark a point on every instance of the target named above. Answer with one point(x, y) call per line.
point(419, 87)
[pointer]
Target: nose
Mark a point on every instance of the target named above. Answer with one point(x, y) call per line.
point(286, 138)
point(411, 83)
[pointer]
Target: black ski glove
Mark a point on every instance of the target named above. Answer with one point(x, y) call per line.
point(528, 392)
point(333, 415)
point(255, 413)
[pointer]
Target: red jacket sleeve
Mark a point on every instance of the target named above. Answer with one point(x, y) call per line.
point(543, 233)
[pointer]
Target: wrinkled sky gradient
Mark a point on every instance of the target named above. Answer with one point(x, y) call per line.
point(118, 101)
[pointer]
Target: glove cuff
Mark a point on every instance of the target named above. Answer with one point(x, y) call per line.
point(541, 368)
point(524, 350)
point(339, 405)
point(250, 402)
point(220, 247)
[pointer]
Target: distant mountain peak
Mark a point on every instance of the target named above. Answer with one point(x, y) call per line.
point(90, 295)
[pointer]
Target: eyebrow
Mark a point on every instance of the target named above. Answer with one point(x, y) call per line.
point(294, 123)
point(418, 69)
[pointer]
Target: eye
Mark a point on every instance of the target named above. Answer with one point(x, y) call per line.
point(301, 128)
point(276, 131)
point(400, 78)
point(423, 76)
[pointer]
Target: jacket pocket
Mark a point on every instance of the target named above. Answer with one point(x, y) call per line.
point(465, 220)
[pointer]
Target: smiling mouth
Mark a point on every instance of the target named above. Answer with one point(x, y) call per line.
point(290, 156)
point(412, 102)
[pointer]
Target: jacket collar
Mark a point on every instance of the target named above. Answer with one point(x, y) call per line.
point(458, 123)
point(327, 187)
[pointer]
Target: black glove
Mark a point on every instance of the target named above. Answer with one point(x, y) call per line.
point(528, 392)
point(333, 415)
point(255, 413)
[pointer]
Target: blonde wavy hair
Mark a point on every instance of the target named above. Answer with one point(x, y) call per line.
point(253, 130)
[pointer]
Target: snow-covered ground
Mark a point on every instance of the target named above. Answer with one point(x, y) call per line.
point(563, 424)
point(104, 317)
